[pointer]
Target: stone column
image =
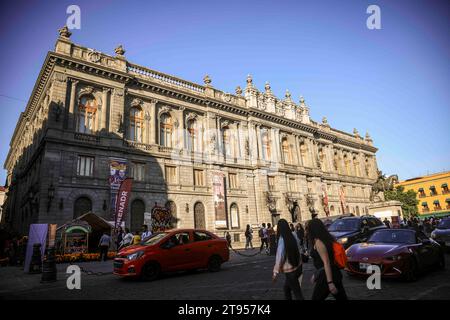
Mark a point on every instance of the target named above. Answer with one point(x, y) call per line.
point(258, 141)
point(105, 106)
point(297, 150)
point(71, 122)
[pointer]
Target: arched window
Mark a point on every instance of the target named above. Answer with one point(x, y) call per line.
point(356, 165)
point(81, 206)
point(266, 151)
point(166, 129)
point(347, 165)
point(137, 215)
point(229, 143)
point(332, 209)
point(199, 216)
point(304, 154)
point(357, 211)
point(87, 109)
point(287, 155)
point(136, 124)
point(192, 135)
point(234, 211)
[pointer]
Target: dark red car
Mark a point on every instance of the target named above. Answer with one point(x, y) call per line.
point(173, 250)
point(398, 252)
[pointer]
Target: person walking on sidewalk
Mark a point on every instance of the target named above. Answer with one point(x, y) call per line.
point(327, 278)
point(105, 242)
point(262, 233)
point(272, 238)
point(145, 232)
point(288, 261)
point(248, 237)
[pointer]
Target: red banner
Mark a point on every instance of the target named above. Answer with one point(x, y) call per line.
point(123, 196)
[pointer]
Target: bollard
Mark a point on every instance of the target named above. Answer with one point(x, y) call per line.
point(49, 268)
point(36, 259)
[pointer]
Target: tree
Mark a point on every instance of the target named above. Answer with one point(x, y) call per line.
point(408, 199)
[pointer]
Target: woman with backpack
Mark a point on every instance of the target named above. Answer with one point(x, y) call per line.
point(288, 261)
point(323, 249)
point(248, 237)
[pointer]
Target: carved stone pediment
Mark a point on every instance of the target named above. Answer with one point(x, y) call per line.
point(164, 109)
point(94, 56)
point(86, 90)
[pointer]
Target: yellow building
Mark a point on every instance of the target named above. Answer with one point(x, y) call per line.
point(432, 192)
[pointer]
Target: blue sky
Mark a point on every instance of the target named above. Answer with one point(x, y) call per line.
point(391, 82)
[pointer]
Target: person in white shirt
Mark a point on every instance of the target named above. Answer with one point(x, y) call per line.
point(127, 239)
point(145, 232)
point(288, 261)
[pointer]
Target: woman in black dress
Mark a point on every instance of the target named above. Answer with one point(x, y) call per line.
point(327, 278)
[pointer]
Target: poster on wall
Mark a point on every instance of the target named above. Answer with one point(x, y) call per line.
point(325, 200)
point(219, 199)
point(117, 174)
point(123, 197)
point(161, 219)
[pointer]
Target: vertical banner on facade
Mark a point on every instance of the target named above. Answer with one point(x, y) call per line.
point(123, 196)
point(38, 234)
point(342, 198)
point(117, 169)
point(219, 199)
point(325, 200)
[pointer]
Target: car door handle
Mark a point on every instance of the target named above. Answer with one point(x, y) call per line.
point(209, 245)
point(187, 249)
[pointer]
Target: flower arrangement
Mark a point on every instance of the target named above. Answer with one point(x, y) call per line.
point(81, 257)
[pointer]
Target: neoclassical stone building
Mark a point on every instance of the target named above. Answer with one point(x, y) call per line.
point(88, 107)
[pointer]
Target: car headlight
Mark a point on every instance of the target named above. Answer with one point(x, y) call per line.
point(135, 256)
point(342, 240)
point(433, 235)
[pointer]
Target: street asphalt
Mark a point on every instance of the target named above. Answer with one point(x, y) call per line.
point(242, 278)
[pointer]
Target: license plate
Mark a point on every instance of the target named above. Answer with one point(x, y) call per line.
point(364, 266)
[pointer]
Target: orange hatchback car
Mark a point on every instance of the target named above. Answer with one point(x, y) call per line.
point(172, 250)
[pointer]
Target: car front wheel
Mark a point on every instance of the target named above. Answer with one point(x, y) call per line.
point(214, 264)
point(150, 271)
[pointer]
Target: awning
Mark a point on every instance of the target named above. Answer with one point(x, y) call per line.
point(444, 185)
point(440, 214)
point(436, 201)
point(424, 204)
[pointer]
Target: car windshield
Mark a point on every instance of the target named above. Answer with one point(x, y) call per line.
point(344, 225)
point(393, 236)
point(154, 238)
point(444, 224)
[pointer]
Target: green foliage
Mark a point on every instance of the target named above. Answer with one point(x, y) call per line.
point(408, 199)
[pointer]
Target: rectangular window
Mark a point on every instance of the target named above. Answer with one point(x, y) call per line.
point(138, 171)
point(292, 185)
point(271, 182)
point(85, 166)
point(171, 175)
point(233, 180)
point(199, 177)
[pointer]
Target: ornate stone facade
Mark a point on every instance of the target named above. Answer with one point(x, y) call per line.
point(92, 106)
